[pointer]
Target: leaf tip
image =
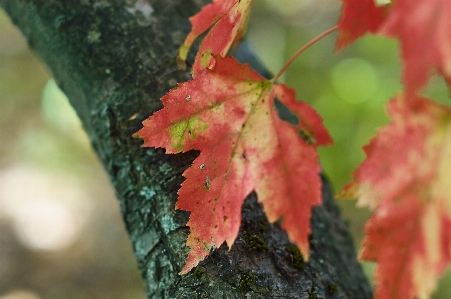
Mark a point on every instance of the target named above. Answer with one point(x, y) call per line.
point(137, 136)
point(181, 63)
point(350, 191)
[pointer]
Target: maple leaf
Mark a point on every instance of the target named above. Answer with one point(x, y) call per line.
point(406, 179)
point(359, 17)
point(229, 115)
point(423, 28)
point(228, 22)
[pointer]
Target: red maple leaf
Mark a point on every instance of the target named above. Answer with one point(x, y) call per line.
point(229, 115)
point(359, 17)
point(406, 179)
point(228, 22)
point(423, 28)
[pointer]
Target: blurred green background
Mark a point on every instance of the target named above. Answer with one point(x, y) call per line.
point(61, 234)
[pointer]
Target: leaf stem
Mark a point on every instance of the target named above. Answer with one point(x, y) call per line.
point(305, 47)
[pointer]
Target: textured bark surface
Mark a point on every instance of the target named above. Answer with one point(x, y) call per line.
point(114, 59)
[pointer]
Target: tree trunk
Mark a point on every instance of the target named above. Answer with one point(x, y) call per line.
point(114, 59)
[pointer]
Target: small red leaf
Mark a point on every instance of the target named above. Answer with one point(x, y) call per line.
point(423, 28)
point(228, 22)
point(359, 17)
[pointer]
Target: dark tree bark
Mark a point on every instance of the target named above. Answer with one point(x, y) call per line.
point(114, 59)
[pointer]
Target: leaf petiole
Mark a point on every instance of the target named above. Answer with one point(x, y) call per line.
point(305, 47)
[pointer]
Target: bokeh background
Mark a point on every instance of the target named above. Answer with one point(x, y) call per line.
point(61, 234)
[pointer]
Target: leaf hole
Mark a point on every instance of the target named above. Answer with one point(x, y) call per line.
point(285, 113)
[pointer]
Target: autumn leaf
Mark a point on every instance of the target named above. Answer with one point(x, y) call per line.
point(229, 115)
point(359, 17)
point(406, 179)
point(423, 28)
point(227, 20)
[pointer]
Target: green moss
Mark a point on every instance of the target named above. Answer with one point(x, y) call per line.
point(93, 37)
point(203, 296)
point(255, 242)
point(332, 288)
point(247, 278)
point(199, 272)
point(297, 260)
point(264, 226)
point(312, 295)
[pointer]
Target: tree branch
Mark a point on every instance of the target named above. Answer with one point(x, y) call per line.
point(114, 59)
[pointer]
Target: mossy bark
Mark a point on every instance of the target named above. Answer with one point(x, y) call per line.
point(114, 59)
